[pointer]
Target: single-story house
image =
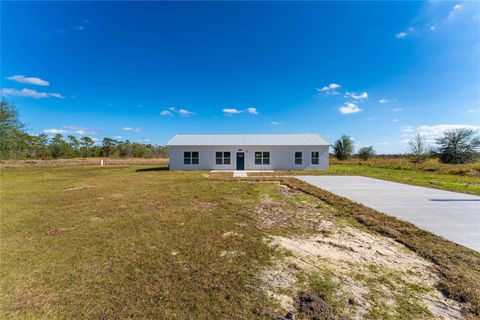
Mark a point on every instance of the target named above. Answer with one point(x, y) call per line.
point(248, 152)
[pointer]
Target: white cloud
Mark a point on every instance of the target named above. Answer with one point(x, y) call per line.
point(437, 130)
point(395, 120)
point(330, 89)
point(473, 110)
point(349, 108)
point(79, 28)
point(397, 109)
point(355, 96)
point(383, 100)
point(277, 123)
point(456, 8)
point(252, 111)
point(131, 129)
point(181, 112)
point(185, 113)
point(55, 131)
point(29, 93)
point(29, 80)
point(166, 113)
point(385, 143)
point(434, 27)
point(117, 137)
point(401, 35)
point(430, 132)
point(230, 111)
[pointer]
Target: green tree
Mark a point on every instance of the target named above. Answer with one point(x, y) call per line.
point(366, 153)
point(458, 146)
point(343, 148)
point(11, 131)
point(418, 149)
point(58, 147)
point(87, 145)
point(108, 146)
point(74, 145)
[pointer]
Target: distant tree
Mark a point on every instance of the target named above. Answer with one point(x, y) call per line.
point(458, 146)
point(343, 148)
point(74, 146)
point(418, 149)
point(87, 144)
point(59, 148)
point(366, 152)
point(108, 146)
point(11, 131)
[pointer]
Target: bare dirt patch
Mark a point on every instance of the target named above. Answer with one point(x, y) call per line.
point(374, 276)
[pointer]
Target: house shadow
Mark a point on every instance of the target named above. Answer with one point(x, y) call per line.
point(164, 168)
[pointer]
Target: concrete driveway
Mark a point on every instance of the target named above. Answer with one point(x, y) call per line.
point(454, 216)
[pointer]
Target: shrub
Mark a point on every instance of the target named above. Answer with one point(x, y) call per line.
point(366, 153)
point(458, 146)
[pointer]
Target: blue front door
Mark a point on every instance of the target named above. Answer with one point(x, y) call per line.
point(240, 161)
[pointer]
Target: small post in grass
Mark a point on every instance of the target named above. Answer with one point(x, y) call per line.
point(102, 163)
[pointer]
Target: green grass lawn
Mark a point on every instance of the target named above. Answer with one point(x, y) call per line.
point(80, 242)
point(84, 242)
point(437, 180)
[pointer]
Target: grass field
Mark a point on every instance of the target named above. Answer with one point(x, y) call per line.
point(462, 178)
point(132, 242)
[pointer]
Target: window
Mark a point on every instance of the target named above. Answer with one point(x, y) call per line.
point(298, 157)
point(222, 157)
point(262, 157)
point(190, 157)
point(315, 157)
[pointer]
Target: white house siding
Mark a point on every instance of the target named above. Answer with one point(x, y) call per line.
point(281, 157)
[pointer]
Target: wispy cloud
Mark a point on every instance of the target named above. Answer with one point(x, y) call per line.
point(404, 34)
point(79, 28)
point(30, 93)
point(231, 111)
point(29, 80)
point(397, 109)
point(383, 100)
point(394, 120)
point(166, 113)
point(456, 8)
point(473, 110)
point(172, 110)
point(54, 131)
point(383, 143)
point(73, 130)
point(361, 96)
point(430, 132)
point(131, 129)
point(330, 89)
point(349, 108)
point(277, 123)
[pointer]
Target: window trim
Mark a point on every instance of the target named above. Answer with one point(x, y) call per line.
point(189, 159)
point(317, 157)
point(223, 158)
point(295, 158)
point(264, 158)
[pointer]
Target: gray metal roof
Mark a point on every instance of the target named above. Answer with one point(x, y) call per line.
point(248, 140)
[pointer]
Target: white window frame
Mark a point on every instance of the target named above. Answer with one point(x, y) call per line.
point(188, 155)
point(264, 158)
point(223, 158)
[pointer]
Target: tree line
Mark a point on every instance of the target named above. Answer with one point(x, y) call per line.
point(453, 146)
point(16, 143)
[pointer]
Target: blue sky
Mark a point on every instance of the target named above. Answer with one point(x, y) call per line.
point(378, 72)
